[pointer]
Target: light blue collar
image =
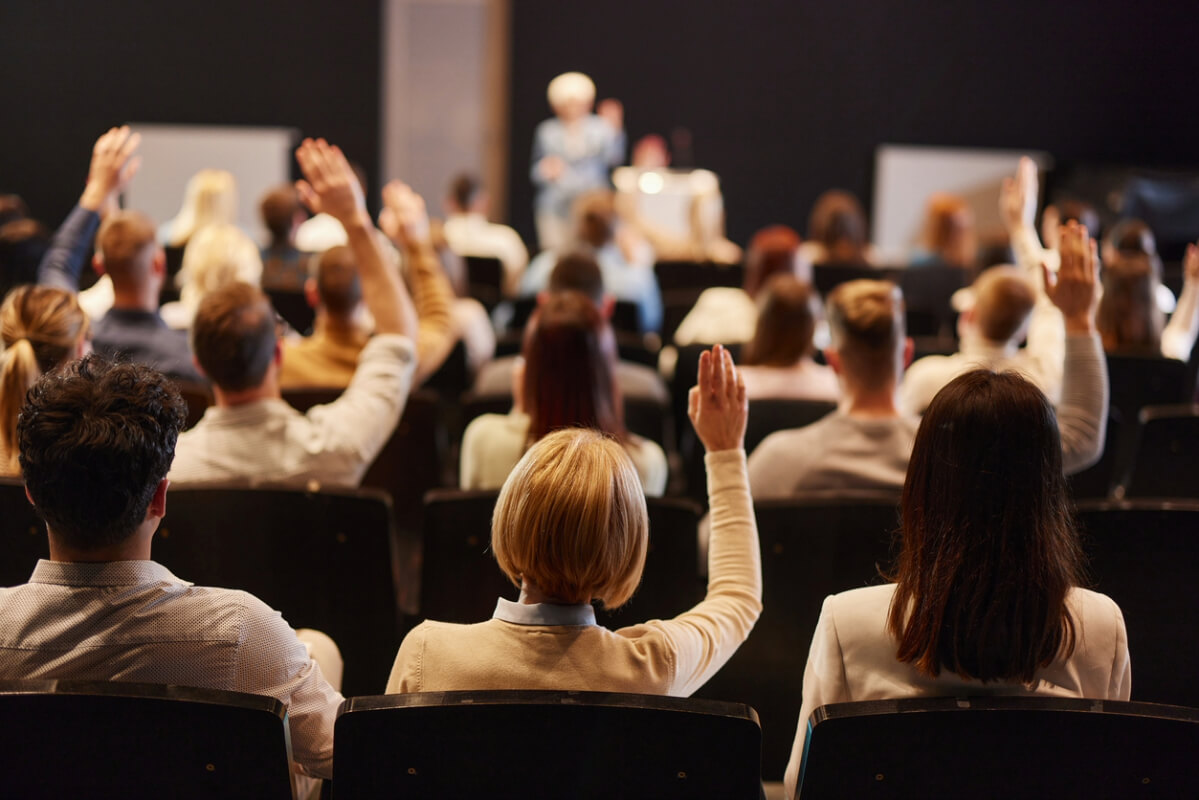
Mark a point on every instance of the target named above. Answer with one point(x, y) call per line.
point(543, 613)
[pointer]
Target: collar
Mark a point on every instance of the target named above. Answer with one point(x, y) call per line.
point(543, 613)
point(979, 348)
point(249, 413)
point(102, 573)
point(136, 315)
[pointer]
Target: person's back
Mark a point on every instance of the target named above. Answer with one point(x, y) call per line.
point(866, 442)
point(251, 435)
point(96, 441)
point(284, 266)
point(133, 329)
point(571, 526)
point(986, 595)
point(329, 356)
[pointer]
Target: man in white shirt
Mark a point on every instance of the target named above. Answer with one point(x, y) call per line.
point(251, 435)
point(469, 233)
point(96, 440)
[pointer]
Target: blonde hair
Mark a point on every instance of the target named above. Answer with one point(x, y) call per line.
point(866, 327)
point(571, 519)
point(209, 199)
point(41, 328)
point(570, 86)
point(1003, 301)
point(218, 256)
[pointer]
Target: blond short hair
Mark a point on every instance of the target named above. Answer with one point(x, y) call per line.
point(1003, 301)
point(570, 86)
point(866, 327)
point(571, 519)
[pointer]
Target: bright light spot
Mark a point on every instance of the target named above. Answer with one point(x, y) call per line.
point(651, 182)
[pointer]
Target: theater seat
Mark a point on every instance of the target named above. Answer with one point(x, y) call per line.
point(1165, 454)
point(65, 739)
point(521, 744)
point(23, 534)
point(1025, 747)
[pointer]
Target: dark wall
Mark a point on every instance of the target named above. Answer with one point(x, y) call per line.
point(786, 98)
point(73, 69)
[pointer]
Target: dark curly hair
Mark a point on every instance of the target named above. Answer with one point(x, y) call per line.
point(96, 437)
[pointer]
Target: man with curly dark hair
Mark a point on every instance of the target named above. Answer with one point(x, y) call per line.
point(96, 441)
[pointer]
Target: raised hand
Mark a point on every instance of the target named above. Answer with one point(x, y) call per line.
point(718, 407)
point(403, 218)
point(114, 163)
point(1018, 196)
point(1074, 289)
point(330, 186)
point(1190, 264)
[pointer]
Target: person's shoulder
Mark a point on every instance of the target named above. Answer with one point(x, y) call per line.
point(1092, 605)
point(858, 609)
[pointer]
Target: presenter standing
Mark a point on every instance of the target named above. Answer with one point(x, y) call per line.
point(572, 153)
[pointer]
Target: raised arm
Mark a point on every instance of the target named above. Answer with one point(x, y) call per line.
point(330, 186)
point(1082, 412)
point(705, 637)
point(406, 223)
point(1018, 209)
point(1178, 339)
point(114, 163)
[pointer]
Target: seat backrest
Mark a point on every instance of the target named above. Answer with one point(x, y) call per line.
point(1098, 480)
point(522, 744)
point(829, 275)
point(130, 740)
point(812, 546)
point(325, 559)
point(1165, 459)
point(198, 397)
point(460, 580)
point(409, 464)
point(293, 306)
point(1000, 747)
point(485, 277)
point(926, 296)
point(1138, 381)
point(673, 275)
point(1145, 555)
point(23, 532)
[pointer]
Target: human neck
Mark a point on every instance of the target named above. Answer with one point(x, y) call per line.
point(870, 404)
point(134, 548)
point(135, 299)
point(530, 594)
point(267, 390)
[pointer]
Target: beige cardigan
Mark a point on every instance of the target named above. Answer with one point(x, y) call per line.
point(521, 648)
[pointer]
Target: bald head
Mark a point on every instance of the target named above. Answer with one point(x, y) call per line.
point(126, 248)
point(1003, 301)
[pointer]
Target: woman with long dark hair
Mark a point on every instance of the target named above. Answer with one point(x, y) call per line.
point(986, 594)
point(565, 381)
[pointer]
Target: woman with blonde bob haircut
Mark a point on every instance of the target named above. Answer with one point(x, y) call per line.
point(570, 526)
point(42, 328)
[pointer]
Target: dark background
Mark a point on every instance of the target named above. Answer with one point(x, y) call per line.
point(784, 98)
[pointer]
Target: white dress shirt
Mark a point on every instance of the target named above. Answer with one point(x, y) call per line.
point(268, 441)
point(134, 621)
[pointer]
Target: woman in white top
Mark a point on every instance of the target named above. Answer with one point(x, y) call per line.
point(986, 598)
point(565, 381)
point(778, 360)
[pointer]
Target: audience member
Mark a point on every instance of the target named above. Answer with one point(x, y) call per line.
point(469, 233)
point(96, 442)
point(627, 264)
point(728, 314)
point(217, 255)
point(23, 245)
point(949, 237)
point(578, 272)
point(570, 526)
point(113, 165)
point(836, 231)
point(572, 154)
point(778, 362)
point(999, 311)
point(986, 595)
point(865, 444)
point(41, 328)
point(133, 328)
point(565, 380)
point(251, 435)
point(283, 265)
point(209, 199)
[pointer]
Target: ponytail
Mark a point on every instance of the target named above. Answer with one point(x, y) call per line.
point(18, 372)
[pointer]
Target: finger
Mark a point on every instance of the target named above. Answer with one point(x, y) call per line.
point(307, 196)
point(718, 376)
point(732, 377)
point(693, 403)
point(131, 144)
point(131, 168)
point(1093, 262)
point(1049, 278)
point(704, 376)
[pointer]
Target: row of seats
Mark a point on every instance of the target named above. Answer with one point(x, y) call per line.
point(336, 561)
point(147, 741)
